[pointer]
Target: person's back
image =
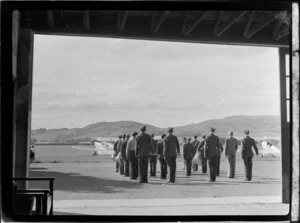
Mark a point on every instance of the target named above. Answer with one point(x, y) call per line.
point(188, 151)
point(171, 147)
point(116, 145)
point(143, 145)
point(160, 148)
point(247, 154)
point(211, 146)
point(123, 150)
point(119, 145)
point(154, 145)
point(231, 146)
point(247, 144)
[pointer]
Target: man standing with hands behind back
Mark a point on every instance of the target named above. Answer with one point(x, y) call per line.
point(171, 150)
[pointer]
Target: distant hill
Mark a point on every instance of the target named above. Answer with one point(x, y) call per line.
point(260, 126)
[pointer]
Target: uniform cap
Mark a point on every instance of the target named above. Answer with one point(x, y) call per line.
point(247, 131)
point(203, 136)
point(134, 134)
point(212, 129)
point(231, 133)
point(143, 129)
point(195, 136)
point(128, 136)
point(170, 130)
point(189, 139)
point(163, 136)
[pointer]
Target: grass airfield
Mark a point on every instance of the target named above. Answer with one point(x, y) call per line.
point(80, 175)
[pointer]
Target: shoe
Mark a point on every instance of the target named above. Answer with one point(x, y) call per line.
point(246, 180)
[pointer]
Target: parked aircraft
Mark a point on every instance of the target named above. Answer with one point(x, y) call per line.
point(268, 149)
point(103, 148)
point(100, 148)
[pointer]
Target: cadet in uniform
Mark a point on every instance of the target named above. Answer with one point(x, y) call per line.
point(130, 154)
point(143, 151)
point(247, 154)
point(116, 152)
point(231, 147)
point(210, 153)
point(121, 165)
point(195, 147)
point(219, 152)
point(201, 151)
point(123, 151)
point(153, 157)
point(171, 149)
point(188, 156)
point(126, 161)
point(163, 163)
point(184, 142)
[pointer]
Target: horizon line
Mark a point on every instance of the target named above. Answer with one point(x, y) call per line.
point(175, 126)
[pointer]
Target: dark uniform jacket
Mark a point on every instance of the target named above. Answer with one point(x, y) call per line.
point(188, 151)
point(200, 148)
point(211, 146)
point(247, 144)
point(160, 148)
point(231, 146)
point(123, 150)
point(154, 145)
point(144, 145)
point(116, 148)
point(119, 145)
point(171, 146)
point(195, 144)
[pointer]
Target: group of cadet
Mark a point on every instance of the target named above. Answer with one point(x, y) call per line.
point(136, 151)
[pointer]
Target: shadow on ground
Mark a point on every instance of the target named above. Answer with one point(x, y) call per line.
point(74, 182)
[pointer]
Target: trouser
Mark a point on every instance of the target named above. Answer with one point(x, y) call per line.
point(117, 167)
point(122, 166)
point(171, 161)
point(153, 161)
point(218, 165)
point(231, 166)
point(203, 164)
point(188, 164)
point(163, 168)
point(143, 169)
point(248, 167)
point(212, 168)
point(126, 167)
point(133, 165)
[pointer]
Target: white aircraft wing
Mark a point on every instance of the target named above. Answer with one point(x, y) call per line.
point(103, 148)
point(269, 150)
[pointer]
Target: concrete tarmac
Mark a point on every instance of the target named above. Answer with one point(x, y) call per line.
point(264, 205)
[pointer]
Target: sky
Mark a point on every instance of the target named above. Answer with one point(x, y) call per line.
point(82, 80)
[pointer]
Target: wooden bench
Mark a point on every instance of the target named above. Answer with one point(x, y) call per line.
point(41, 196)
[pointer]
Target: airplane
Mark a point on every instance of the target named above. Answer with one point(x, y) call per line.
point(268, 149)
point(100, 148)
point(103, 148)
